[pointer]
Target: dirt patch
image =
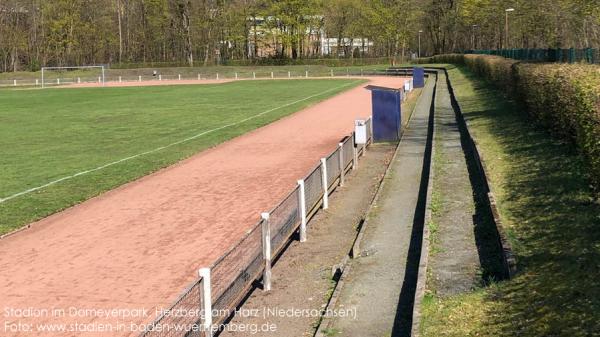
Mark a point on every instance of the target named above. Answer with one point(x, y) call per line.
point(302, 278)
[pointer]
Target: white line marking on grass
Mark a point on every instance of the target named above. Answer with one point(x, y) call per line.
point(168, 145)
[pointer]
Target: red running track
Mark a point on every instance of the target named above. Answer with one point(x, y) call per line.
point(141, 244)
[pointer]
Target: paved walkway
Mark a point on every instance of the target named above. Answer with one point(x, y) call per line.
point(455, 266)
point(380, 285)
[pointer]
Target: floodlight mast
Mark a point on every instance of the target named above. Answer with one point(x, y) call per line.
point(506, 11)
point(75, 67)
point(420, 31)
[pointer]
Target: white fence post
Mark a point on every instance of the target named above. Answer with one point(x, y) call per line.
point(139, 78)
point(180, 77)
point(37, 82)
point(206, 300)
point(331, 72)
point(253, 75)
point(236, 75)
point(306, 74)
point(217, 76)
point(99, 79)
point(325, 185)
point(120, 79)
point(58, 81)
point(160, 77)
point(78, 80)
point(289, 74)
point(15, 83)
point(266, 243)
point(199, 77)
point(342, 168)
point(302, 199)
point(272, 75)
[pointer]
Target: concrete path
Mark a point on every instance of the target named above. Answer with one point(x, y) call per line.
point(454, 265)
point(380, 285)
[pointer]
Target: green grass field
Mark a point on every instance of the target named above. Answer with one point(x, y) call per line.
point(46, 135)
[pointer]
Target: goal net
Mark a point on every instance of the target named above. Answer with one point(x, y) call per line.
point(53, 76)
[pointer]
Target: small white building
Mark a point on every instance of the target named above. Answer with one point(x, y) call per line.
point(264, 32)
point(329, 45)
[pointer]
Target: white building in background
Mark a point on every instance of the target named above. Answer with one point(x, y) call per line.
point(268, 44)
point(329, 46)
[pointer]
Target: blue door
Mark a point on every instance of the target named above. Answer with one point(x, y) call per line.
point(386, 115)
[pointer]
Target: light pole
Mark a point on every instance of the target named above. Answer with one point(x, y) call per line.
point(506, 11)
point(473, 36)
point(420, 31)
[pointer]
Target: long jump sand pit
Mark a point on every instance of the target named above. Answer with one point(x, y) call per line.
point(138, 246)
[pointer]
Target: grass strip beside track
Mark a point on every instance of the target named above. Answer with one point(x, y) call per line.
point(60, 147)
point(548, 209)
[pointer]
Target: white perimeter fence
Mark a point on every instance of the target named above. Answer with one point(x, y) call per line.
point(103, 80)
point(210, 300)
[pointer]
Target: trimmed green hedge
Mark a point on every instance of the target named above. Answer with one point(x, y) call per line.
point(446, 58)
point(565, 98)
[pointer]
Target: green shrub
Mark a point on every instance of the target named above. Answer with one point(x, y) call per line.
point(565, 98)
point(446, 58)
point(494, 68)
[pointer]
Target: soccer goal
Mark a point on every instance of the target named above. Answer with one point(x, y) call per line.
point(72, 75)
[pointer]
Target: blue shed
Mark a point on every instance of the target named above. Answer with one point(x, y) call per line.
point(387, 114)
point(418, 77)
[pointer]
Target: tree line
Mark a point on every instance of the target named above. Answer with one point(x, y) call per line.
point(35, 33)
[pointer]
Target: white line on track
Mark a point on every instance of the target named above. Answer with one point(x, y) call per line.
point(169, 145)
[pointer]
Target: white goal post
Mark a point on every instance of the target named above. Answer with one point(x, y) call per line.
point(101, 79)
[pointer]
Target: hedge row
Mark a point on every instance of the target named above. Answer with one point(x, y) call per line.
point(329, 62)
point(565, 98)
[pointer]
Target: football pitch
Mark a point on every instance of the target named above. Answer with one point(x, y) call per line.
point(59, 147)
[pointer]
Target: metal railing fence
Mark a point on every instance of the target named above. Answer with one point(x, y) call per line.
point(228, 280)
